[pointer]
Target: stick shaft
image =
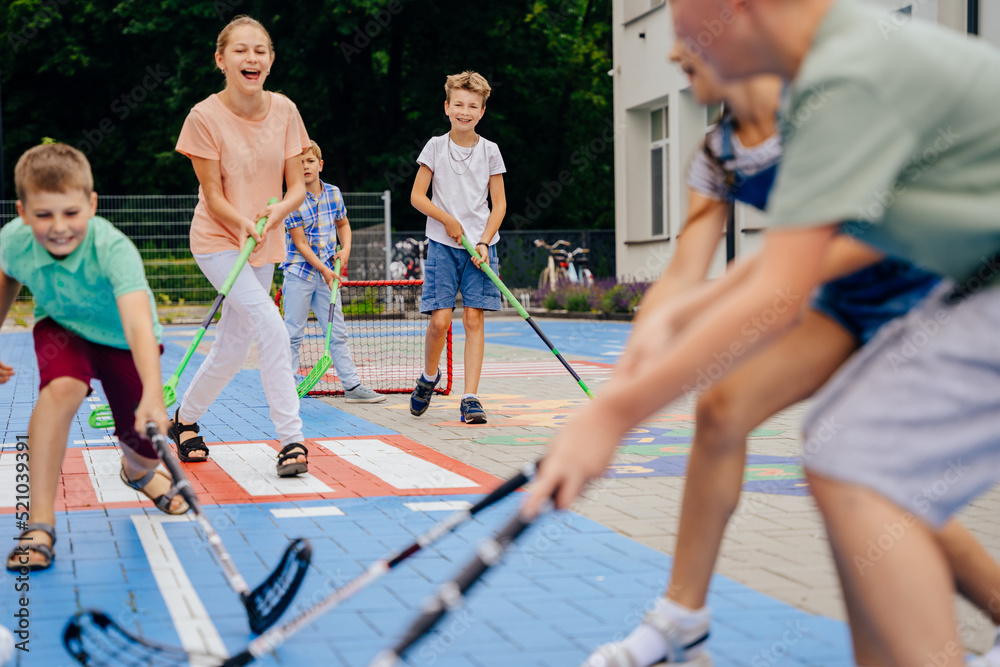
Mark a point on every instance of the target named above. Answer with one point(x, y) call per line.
point(180, 480)
point(451, 595)
point(317, 373)
point(333, 305)
point(234, 273)
point(277, 636)
point(230, 279)
point(523, 313)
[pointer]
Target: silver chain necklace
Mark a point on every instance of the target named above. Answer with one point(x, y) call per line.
point(461, 159)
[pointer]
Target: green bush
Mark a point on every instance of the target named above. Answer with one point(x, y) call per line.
point(367, 305)
point(578, 300)
point(622, 297)
point(606, 296)
point(554, 301)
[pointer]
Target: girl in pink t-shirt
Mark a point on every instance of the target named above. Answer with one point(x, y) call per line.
point(244, 143)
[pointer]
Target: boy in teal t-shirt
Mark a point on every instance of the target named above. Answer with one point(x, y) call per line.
point(94, 319)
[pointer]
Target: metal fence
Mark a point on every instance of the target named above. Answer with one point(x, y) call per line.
point(159, 225)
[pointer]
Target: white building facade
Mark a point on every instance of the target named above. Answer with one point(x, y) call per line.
point(659, 126)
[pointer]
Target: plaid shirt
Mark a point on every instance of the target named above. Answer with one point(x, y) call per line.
point(317, 217)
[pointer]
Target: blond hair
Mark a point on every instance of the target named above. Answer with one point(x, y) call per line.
point(238, 22)
point(474, 82)
point(52, 168)
point(314, 149)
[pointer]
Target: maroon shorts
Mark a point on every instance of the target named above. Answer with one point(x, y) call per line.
point(62, 353)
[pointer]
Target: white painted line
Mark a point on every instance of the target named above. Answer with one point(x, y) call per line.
point(439, 506)
point(253, 466)
point(106, 440)
point(8, 476)
point(394, 466)
point(186, 332)
point(302, 512)
point(191, 620)
point(103, 466)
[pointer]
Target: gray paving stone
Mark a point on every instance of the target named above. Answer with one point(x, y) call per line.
point(775, 544)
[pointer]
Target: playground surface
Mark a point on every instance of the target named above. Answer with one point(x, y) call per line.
point(379, 477)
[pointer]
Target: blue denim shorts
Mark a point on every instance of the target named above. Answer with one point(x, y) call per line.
point(863, 301)
point(448, 271)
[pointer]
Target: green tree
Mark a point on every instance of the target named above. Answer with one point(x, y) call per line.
point(117, 78)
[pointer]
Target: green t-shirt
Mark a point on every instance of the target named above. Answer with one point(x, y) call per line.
point(79, 290)
point(896, 127)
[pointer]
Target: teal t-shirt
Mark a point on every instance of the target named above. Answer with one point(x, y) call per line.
point(80, 290)
point(896, 127)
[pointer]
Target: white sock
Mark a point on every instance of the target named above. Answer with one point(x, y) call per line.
point(465, 396)
point(647, 645)
point(431, 378)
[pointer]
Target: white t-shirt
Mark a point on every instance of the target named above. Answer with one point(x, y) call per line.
point(706, 180)
point(460, 185)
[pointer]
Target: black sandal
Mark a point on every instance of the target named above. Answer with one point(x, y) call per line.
point(23, 550)
point(195, 444)
point(288, 468)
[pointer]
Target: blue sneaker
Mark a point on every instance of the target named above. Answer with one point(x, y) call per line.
point(420, 399)
point(472, 411)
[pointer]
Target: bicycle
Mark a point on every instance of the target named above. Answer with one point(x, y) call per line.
point(408, 262)
point(555, 269)
point(577, 271)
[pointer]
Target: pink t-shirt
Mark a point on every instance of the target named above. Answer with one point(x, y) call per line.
point(252, 158)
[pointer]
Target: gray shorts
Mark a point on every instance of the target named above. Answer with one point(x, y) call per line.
point(915, 414)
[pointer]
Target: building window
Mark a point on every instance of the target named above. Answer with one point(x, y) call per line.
point(713, 114)
point(659, 151)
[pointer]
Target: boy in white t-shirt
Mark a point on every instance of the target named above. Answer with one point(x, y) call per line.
point(462, 168)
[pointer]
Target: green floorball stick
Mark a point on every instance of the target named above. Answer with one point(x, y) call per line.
point(324, 362)
point(485, 266)
point(101, 417)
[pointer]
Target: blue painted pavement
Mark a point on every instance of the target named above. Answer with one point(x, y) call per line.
point(568, 585)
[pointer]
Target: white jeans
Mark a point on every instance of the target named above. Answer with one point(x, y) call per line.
point(248, 313)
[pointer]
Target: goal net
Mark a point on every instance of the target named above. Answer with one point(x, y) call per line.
point(385, 334)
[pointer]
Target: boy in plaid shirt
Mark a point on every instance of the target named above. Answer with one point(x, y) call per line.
point(311, 239)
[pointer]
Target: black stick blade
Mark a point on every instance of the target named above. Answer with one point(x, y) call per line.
point(266, 603)
point(95, 640)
